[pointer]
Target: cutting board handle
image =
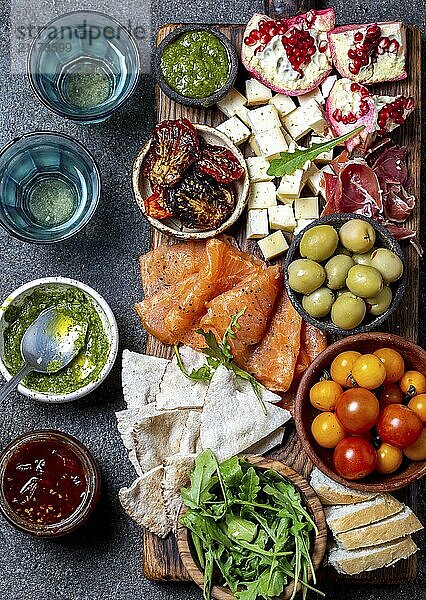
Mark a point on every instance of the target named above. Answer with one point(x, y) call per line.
point(287, 8)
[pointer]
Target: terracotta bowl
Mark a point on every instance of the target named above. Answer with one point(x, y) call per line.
point(383, 240)
point(304, 412)
point(173, 226)
point(311, 502)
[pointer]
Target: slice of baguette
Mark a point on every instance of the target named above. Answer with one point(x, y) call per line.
point(402, 524)
point(352, 562)
point(330, 492)
point(350, 516)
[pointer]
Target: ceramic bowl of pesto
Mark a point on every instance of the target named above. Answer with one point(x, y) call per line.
point(95, 360)
point(195, 65)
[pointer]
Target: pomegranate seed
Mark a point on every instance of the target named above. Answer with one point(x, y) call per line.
point(410, 103)
point(364, 92)
point(351, 118)
point(265, 38)
point(323, 45)
point(355, 87)
point(399, 120)
point(263, 27)
point(345, 119)
point(353, 69)
point(310, 18)
point(384, 42)
point(259, 49)
point(357, 62)
point(311, 51)
point(352, 53)
point(358, 37)
point(273, 30)
point(337, 115)
point(249, 41)
point(282, 29)
point(255, 34)
point(393, 46)
point(359, 53)
point(372, 30)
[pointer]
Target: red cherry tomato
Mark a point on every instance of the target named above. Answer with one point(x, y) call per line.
point(354, 458)
point(391, 394)
point(399, 426)
point(358, 410)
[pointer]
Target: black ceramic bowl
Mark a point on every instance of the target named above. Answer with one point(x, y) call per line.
point(383, 240)
point(195, 102)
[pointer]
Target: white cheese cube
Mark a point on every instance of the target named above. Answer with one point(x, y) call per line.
point(313, 95)
point(262, 195)
point(283, 104)
point(257, 224)
point(306, 208)
point(312, 178)
point(290, 186)
point(231, 103)
point(257, 93)
point(273, 245)
point(296, 124)
point(269, 143)
point(235, 130)
point(314, 116)
point(327, 84)
point(301, 224)
point(257, 168)
point(242, 113)
point(282, 217)
point(263, 118)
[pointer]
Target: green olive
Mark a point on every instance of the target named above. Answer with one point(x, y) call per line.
point(388, 264)
point(380, 303)
point(337, 270)
point(319, 243)
point(305, 275)
point(357, 236)
point(342, 250)
point(364, 281)
point(348, 311)
point(363, 259)
point(319, 303)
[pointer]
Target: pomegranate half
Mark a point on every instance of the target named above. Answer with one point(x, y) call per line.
point(290, 56)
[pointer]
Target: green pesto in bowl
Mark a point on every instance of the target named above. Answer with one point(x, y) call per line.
point(86, 367)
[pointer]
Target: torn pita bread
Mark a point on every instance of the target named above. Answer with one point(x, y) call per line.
point(176, 390)
point(232, 421)
point(143, 502)
point(141, 377)
point(126, 420)
point(176, 476)
point(190, 441)
point(244, 386)
point(267, 443)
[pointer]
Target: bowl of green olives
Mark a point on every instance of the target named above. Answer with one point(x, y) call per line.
point(345, 273)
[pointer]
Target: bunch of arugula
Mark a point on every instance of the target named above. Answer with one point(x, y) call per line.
point(249, 529)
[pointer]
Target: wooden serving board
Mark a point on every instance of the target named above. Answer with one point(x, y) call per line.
point(161, 560)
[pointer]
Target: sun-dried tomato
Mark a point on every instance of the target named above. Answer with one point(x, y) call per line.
point(155, 205)
point(219, 162)
point(200, 202)
point(173, 149)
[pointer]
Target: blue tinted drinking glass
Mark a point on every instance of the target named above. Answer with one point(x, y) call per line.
point(49, 187)
point(84, 66)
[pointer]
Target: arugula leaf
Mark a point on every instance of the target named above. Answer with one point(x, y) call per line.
point(200, 478)
point(249, 486)
point(231, 471)
point(204, 373)
point(250, 593)
point(240, 529)
point(289, 162)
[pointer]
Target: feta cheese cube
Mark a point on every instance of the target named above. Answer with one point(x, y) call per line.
point(282, 217)
point(301, 224)
point(269, 143)
point(231, 103)
point(235, 130)
point(327, 84)
point(273, 245)
point(257, 224)
point(314, 116)
point(311, 178)
point(306, 208)
point(262, 195)
point(257, 93)
point(283, 104)
point(313, 95)
point(263, 118)
point(290, 186)
point(242, 113)
point(257, 168)
point(296, 124)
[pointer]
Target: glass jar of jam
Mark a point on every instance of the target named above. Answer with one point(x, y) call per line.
point(49, 483)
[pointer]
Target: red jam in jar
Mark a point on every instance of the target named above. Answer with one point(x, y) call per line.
point(44, 482)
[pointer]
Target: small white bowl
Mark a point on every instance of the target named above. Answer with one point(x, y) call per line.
point(108, 320)
point(173, 226)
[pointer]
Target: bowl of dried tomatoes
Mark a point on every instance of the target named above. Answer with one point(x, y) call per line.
point(190, 181)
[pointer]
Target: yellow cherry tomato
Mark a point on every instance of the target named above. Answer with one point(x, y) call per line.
point(368, 371)
point(394, 364)
point(341, 368)
point(327, 430)
point(413, 382)
point(418, 450)
point(389, 458)
point(418, 405)
point(324, 394)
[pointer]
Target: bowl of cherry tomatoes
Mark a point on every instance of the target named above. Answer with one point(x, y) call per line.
point(360, 412)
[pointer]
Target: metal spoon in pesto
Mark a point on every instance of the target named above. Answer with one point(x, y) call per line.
point(49, 344)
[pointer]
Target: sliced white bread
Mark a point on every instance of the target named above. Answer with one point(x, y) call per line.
point(351, 562)
point(350, 516)
point(330, 492)
point(402, 524)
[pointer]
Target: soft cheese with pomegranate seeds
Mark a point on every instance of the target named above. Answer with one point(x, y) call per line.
point(290, 56)
point(369, 53)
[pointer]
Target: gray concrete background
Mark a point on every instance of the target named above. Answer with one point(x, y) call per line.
point(102, 561)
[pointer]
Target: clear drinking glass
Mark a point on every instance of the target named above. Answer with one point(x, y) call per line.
point(84, 65)
point(49, 187)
